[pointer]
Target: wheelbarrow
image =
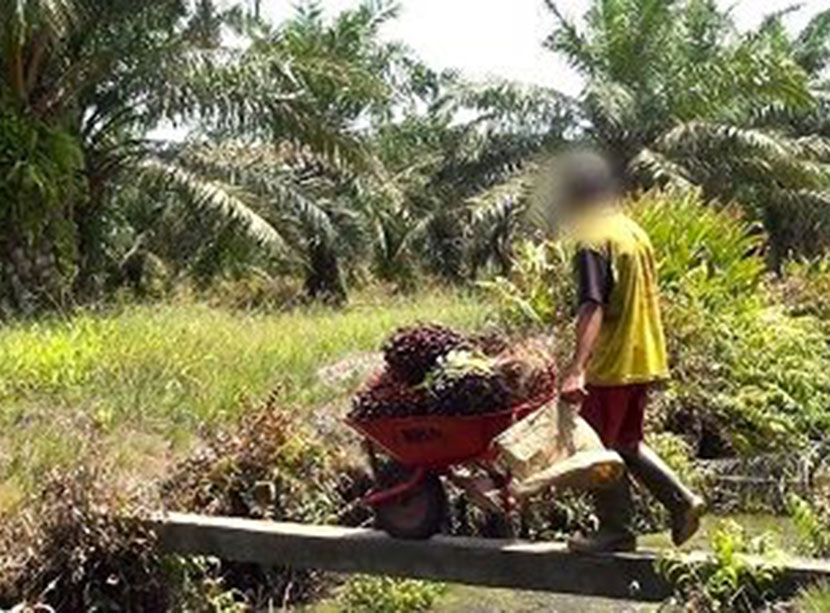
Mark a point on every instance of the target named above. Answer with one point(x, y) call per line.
point(409, 499)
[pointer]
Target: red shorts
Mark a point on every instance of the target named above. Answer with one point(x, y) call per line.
point(616, 413)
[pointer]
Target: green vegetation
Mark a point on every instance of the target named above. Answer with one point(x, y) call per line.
point(736, 352)
point(135, 381)
point(321, 153)
point(813, 600)
point(388, 595)
point(332, 187)
point(778, 532)
point(812, 521)
point(726, 582)
point(805, 288)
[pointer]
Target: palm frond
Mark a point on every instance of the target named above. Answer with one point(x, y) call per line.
point(494, 202)
point(747, 155)
point(657, 169)
point(222, 197)
point(52, 17)
point(610, 105)
point(800, 220)
point(698, 137)
point(568, 40)
point(812, 47)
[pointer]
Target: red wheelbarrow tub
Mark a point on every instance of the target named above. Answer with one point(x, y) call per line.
point(435, 442)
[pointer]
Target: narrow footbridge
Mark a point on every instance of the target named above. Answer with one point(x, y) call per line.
point(495, 563)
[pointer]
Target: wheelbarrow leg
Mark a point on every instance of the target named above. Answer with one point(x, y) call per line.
point(491, 495)
point(485, 491)
point(380, 497)
point(372, 453)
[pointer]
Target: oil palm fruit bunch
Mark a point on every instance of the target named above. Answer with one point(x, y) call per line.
point(389, 396)
point(542, 383)
point(491, 343)
point(528, 370)
point(411, 353)
point(471, 394)
point(464, 382)
point(433, 370)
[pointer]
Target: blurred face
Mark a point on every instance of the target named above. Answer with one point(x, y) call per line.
point(586, 182)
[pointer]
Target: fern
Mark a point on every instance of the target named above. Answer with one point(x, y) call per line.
point(812, 525)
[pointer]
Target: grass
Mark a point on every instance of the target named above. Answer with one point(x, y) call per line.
point(780, 529)
point(136, 386)
point(815, 599)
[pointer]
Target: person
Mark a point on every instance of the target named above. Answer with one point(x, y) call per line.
point(620, 351)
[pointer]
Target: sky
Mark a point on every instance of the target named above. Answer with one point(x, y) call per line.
point(499, 38)
point(503, 38)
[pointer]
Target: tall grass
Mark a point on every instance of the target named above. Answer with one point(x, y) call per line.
point(137, 382)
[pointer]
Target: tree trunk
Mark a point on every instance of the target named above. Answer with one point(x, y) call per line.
point(89, 220)
point(31, 279)
point(324, 280)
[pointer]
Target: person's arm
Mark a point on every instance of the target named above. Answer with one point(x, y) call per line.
point(588, 325)
point(594, 283)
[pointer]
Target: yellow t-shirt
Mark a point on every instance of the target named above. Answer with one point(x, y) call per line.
point(632, 346)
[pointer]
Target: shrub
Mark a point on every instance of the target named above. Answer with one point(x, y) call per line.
point(726, 581)
point(706, 255)
point(812, 523)
point(364, 594)
point(709, 268)
point(748, 376)
point(269, 465)
point(72, 550)
point(80, 546)
point(746, 381)
point(804, 287)
point(539, 291)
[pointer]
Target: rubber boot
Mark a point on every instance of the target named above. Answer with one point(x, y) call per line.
point(614, 509)
point(685, 507)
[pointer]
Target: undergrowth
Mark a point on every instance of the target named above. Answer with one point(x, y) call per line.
point(814, 599)
point(727, 581)
point(270, 465)
point(79, 544)
point(72, 551)
point(811, 515)
point(748, 375)
point(365, 594)
point(143, 383)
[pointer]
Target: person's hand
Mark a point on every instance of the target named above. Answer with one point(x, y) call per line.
point(573, 385)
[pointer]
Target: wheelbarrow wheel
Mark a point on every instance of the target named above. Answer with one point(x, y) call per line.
point(418, 513)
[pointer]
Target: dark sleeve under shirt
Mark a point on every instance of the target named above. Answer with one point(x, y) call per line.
point(594, 277)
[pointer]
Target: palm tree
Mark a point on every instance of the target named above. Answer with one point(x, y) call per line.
point(64, 72)
point(459, 174)
point(94, 74)
point(101, 74)
point(424, 191)
point(297, 185)
point(801, 221)
point(677, 96)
